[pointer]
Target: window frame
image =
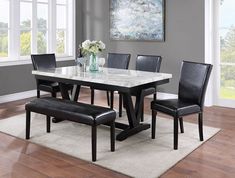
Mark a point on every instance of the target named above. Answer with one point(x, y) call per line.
point(14, 57)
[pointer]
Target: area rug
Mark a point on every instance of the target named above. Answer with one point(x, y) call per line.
point(138, 156)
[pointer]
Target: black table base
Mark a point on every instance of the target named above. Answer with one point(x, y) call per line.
point(56, 120)
point(132, 131)
point(127, 131)
point(134, 112)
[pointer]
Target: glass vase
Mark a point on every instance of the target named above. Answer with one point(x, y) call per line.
point(93, 63)
point(81, 63)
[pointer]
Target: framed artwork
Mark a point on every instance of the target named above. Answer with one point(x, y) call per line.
point(137, 20)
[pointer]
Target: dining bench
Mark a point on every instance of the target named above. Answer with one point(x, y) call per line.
point(73, 111)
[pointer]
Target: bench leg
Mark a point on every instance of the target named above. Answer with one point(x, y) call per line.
point(48, 124)
point(112, 136)
point(27, 124)
point(93, 142)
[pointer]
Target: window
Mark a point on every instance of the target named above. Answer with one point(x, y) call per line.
point(223, 46)
point(38, 26)
point(4, 28)
point(25, 27)
point(42, 26)
point(61, 11)
point(227, 49)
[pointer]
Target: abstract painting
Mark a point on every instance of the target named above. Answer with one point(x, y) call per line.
point(137, 20)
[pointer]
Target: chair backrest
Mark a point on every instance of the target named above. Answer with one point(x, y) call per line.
point(118, 60)
point(43, 61)
point(193, 82)
point(148, 63)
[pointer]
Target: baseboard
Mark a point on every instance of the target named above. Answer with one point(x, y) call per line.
point(19, 96)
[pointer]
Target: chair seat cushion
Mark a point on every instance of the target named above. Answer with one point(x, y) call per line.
point(52, 86)
point(49, 86)
point(73, 111)
point(175, 107)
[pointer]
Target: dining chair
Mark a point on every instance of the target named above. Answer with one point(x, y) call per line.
point(46, 61)
point(193, 82)
point(149, 63)
point(118, 61)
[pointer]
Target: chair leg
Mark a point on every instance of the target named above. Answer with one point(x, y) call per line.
point(181, 125)
point(28, 118)
point(200, 125)
point(154, 114)
point(142, 117)
point(154, 96)
point(38, 93)
point(111, 99)
point(120, 105)
point(93, 142)
point(92, 96)
point(48, 124)
point(112, 136)
point(175, 133)
point(108, 99)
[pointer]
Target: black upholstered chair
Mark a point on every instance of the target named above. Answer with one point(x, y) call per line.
point(118, 61)
point(193, 82)
point(149, 63)
point(45, 61)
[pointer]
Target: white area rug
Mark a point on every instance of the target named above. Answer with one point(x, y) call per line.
point(138, 156)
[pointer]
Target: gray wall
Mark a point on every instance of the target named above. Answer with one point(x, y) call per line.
point(184, 35)
point(14, 79)
point(184, 40)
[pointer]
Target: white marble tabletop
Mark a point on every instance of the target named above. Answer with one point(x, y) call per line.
point(108, 76)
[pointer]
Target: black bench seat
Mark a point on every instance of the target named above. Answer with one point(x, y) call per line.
point(73, 111)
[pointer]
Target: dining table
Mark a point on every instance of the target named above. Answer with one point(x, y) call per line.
point(126, 82)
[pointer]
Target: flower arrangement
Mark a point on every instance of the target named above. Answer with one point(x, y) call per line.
point(92, 47)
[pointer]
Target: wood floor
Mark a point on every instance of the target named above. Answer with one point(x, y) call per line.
point(21, 159)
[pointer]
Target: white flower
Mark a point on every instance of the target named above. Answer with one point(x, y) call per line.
point(92, 47)
point(102, 45)
point(86, 44)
